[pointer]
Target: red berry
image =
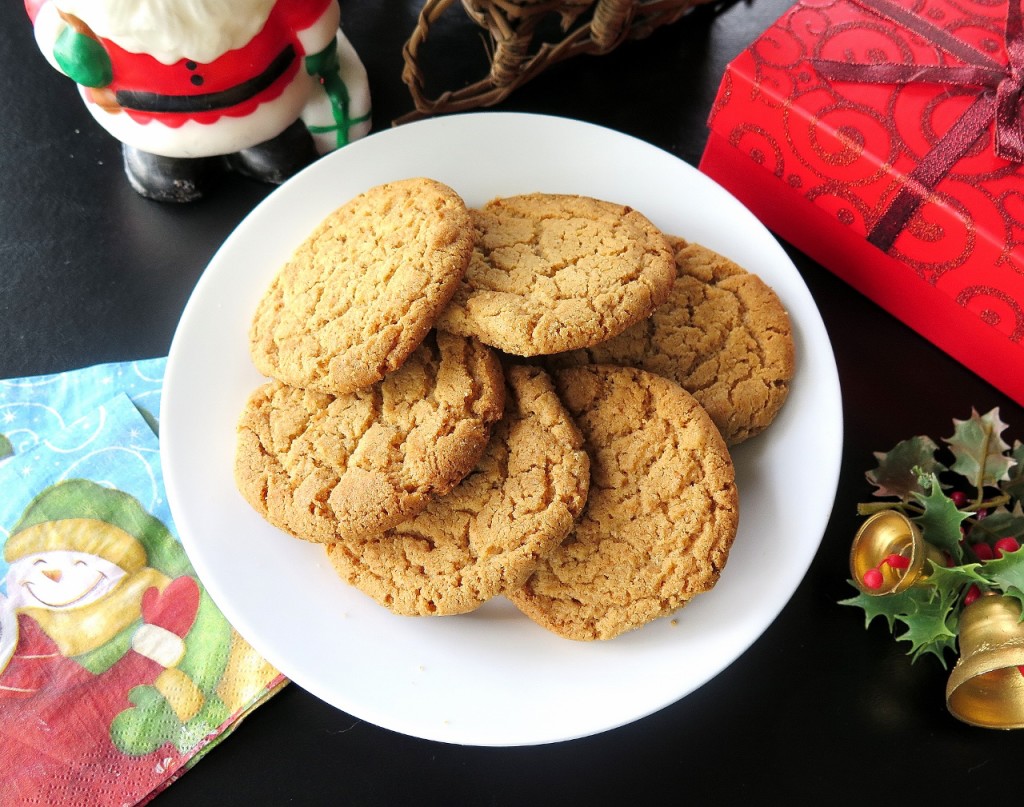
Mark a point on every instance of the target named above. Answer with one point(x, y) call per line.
point(982, 551)
point(897, 561)
point(981, 514)
point(1006, 545)
point(959, 498)
point(972, 594)
point(872, 579)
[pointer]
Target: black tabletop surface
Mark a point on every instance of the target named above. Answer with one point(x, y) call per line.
point(818, 710)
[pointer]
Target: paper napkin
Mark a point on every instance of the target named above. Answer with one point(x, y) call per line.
point(117, 671)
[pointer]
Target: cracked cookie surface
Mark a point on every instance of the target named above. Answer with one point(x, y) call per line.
point(324, 467)
point(661, 514)
point(364, 289)
point(723, 335)
point(492, 529)
point(556, 272)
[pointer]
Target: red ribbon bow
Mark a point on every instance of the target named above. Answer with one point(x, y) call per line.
point(998, 103)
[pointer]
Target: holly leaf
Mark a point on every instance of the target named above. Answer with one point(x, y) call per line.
point(979, 449)
point(891, 607)
point(1015, 484)
point(926, 613)
point(951, 580)
point(931, 627)
point(940, 522)
point(899, 468)
point(1007, 574)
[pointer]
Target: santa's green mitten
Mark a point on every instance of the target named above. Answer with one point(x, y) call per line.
point(325, 62)
point(82, 58)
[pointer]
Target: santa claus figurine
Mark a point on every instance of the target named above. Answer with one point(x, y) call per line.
point(192, 88)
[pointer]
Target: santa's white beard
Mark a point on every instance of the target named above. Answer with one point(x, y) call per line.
point(171, 30)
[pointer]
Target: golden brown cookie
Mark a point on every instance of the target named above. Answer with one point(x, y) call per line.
point(723, 335)
point(661, 515)
point(555, 272)
point(490, 532)
point(364, 289)
point(326, 467)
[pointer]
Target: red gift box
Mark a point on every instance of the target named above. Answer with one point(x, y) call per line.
point(882, 138)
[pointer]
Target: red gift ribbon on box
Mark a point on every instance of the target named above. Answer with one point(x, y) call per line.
point(998, 104)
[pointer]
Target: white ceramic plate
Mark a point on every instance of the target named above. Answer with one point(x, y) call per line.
point(492, 677)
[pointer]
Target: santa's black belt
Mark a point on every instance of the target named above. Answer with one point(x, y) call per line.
point(205, 102)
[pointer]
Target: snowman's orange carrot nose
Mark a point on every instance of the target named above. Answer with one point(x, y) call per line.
point(54, 574)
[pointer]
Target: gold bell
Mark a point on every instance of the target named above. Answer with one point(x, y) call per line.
point(889, 553)
point(986, 687)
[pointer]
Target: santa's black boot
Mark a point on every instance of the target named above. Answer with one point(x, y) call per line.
point(170, 179)
point(278, 158)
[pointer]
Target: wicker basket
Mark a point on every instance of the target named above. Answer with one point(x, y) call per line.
point(517, 49)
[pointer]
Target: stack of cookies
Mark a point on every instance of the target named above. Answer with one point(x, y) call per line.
point(532, 399)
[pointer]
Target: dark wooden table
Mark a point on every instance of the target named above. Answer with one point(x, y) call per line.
point(818, 710)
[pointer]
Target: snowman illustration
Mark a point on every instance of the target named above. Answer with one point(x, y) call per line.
point(192, 88)
point(110, 652)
